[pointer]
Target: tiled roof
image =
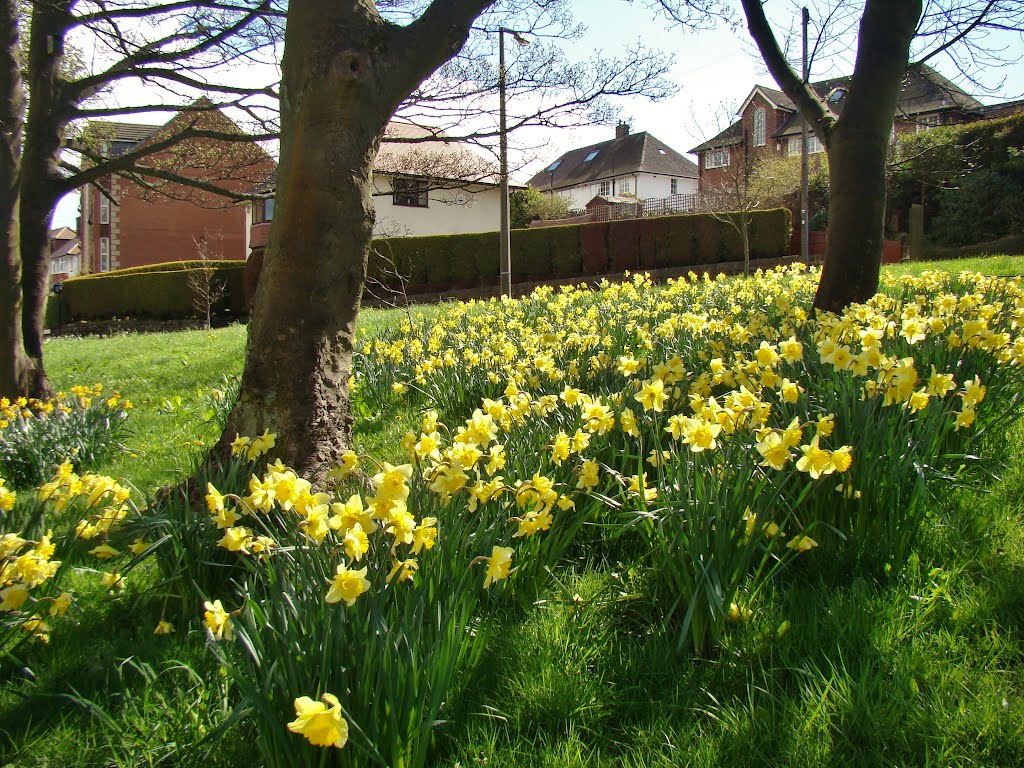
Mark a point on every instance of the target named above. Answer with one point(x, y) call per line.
point(634, 153)
point(729, 137)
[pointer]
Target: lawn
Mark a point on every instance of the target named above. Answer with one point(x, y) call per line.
point(855, 652)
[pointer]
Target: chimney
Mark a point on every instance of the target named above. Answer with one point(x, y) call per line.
point(621, 131)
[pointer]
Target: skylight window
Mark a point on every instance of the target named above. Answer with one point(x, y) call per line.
point(555, 164)
point(591, 156)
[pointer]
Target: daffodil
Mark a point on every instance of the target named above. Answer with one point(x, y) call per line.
point(321, 722)
point(218, 621)
point(498, 565)
point(347, 585)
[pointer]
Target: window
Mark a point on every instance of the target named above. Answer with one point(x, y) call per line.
point(53, 267)
point(604, 188)
point(760, 137)
point(673, 187)
point(104, 254)
point(591, 156)
point(716, 158)
point(104, 208)
point(813, 145)
point(624, 187)
point(410, 192)
point(928, 121)
point(263, 211)
point(554, 165)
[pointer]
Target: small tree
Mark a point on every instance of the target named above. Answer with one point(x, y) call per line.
point(526, 205)
point(207, 289)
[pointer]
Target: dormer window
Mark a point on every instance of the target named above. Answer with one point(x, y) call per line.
point(836, 95)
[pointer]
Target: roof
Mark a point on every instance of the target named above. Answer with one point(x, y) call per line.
point(634, 153)
point(408, 149)
point(924, 90)
point(66, 247)
point(1005, 109)
point(121, 136)
point(727, 138)
point(63, 233)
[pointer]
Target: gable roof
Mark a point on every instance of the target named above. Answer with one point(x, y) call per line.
point(729, 137)
point(924, 90)
point(634, 153)
point(63, 233)
point(414, 150)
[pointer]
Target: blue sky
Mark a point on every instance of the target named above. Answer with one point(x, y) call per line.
point(714, 70)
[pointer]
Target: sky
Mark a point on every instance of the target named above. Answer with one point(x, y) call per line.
point(714, 71)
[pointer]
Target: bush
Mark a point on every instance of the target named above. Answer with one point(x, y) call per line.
point(161, 292)
point(83, 427)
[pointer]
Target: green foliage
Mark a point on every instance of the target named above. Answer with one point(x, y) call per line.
point(969, 176)
point(84, 427)
point(526, 205)
point(445, 261)
point(161, 291)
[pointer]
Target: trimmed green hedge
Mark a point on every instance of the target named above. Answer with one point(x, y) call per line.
point(442, 262)
point(160, 291)
point(577, 250)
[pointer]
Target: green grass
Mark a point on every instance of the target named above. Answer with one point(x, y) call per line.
point(988, 265)
point(925, 668)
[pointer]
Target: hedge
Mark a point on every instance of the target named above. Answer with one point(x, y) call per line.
point(159, 291)
point(441, 262)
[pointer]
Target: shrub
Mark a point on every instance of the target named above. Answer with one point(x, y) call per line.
point(158, 292)
point(84, 428)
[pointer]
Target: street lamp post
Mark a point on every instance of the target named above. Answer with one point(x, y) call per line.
point(505, 237)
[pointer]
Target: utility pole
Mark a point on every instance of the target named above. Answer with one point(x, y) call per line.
point(805, 240)
point(505, 236)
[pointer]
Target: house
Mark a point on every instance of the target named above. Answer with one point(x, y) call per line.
point(423, 184)
point(145, 220)
point(769, 121)
point(634, 164)
point(65, 254)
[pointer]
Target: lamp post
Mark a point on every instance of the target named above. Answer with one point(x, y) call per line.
point(505, 237)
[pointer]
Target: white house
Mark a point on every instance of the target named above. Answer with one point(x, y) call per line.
point(637, 165)
point(423, 184)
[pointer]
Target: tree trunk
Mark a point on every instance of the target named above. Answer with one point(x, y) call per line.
point(299, 353)
point(16, 369)
point(345, 71)
point(40, 190)
point(857, 148)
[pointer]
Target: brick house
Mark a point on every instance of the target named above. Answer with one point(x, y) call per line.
point(65, 254)
point(127, 222)
point(769, 121)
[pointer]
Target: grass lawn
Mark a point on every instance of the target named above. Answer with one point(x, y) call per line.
point(922, 667)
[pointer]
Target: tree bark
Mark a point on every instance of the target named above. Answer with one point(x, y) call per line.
point(345, 71)
point(41, 190)
point(857, 154)
point(16, 369)
point(856, 141)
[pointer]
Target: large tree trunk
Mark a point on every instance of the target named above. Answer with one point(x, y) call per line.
point(16, 369)
point(857, 149)
point(345, 71)
point(40, 190)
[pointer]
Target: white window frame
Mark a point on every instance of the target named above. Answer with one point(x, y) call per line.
point(673, 186)
point(717, 158)
point(928, 122)
point(104, 254)
point(604, 188)
point(760, 131)
point(813, 145)
point(104, 209)
point(624, 187)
